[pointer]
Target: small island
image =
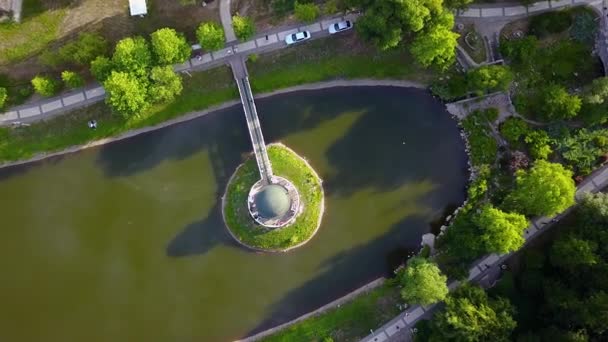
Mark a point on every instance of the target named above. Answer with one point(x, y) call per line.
point(279, 216)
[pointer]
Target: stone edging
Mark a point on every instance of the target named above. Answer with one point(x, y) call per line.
point(257, 249)
point(194, 115)
point(346, 298)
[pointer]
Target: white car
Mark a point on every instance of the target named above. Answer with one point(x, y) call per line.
point(341, 26)
point(297, 37)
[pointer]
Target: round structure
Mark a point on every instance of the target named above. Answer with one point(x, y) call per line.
point(276, 214)
point(274, 205)
point(272, 201)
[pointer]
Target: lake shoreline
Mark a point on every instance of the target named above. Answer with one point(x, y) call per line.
point(197, 114)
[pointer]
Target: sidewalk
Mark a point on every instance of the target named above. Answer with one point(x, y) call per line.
point(262, 43)
point(515, 10)
point(485, 270)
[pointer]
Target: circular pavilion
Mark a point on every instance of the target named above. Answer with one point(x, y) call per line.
point(275, 204)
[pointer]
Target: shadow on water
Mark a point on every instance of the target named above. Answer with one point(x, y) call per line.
point(200, 237)
point(349, 267)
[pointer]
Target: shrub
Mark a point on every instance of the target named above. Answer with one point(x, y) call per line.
point(211, 36)
point(483, 145)
point(518, 161)
point(244, 28)
point(72, 79)
point(584, 28)
point(169, 47)
point(583, 149)
point(3, 97)
point(489, 78)
point(101, 68)
point(539, 144)
point(557, 103)
point(306, 12)
point(513, 129)
point(253, 57)
point(45, 85)
point(551, 22)
point(85, 49)
point(281, 7)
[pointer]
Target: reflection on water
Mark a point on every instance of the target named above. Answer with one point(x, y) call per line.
point(126, 242)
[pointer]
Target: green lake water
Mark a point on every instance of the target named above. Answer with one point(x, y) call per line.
point(125, 242)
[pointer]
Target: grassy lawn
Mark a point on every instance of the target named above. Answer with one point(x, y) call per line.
point(201, 91)
point(350, 322)
point(473, 44)
point(35, 32)
point(332, 58)
point(288, 165)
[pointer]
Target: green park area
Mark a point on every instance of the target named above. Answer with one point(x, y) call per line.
point(286, 164)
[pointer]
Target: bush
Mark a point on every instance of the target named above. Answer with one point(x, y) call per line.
point(539, 144)
point(583, 150)
point(253, 57)
point(101, 68)
point(244, 28)
point(72, 79)
point(551, 22)
point(211, 36)
point(489, 78)
point(306, 12)
point(513, 129)
point(45, 85)
point(557, 103)
point(3, 97)
point(85, 49)
point(483, 145)
point(282, 7)
point(584, 28)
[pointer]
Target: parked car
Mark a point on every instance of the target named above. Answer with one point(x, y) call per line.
point(341, 26)
point(297, 37)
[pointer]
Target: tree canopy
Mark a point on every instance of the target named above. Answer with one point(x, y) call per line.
point(165, 84)
point(211, 36)
point(501, 232)
point(570, 252)
point(422, 282)
point(169, 47)
point(101, 68)
point(126, 93)
point(470, 315)
point(435, 47)
point(489, 78)
point(557, 103)
point(3, 97)
point(132, 55)
point(45, 86)
point(546, 189)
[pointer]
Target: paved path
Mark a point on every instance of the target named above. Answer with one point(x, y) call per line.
point(484, 271)
point(518, 10)
point(226, 19)
point(269, 41)
point(241, 77)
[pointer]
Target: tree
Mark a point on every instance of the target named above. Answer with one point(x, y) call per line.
point(169, 47)
point(501, 231)
point(539, 144)
point(571, 252)
point(546, 189)
point(435, 47)
point(101, 67)
point(211, 36)
point(595, 104)
point(522, 51)
point(556, 103)
point(593, 210)
point(489, 78)
point(244, 28)
point(127, 94)
point(469, 315)
point(72, 79)
point(132, 55)
point(45, 85)
point(3, 97)
point(165, 85)
point(386, 22)
point(306, 12)
point(422, 282)
point(85, 49)
point(513, 129)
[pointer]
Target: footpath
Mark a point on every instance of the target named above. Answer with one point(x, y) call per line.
point(484, 271)
point(262, 43)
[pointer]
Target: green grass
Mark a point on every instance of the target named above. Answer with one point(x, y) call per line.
point(201, 91)
point(332, 58)
point(32, 35)
point(350, 322)
point(288, 165)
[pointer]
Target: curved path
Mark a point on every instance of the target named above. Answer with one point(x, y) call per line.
point(226, 19)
